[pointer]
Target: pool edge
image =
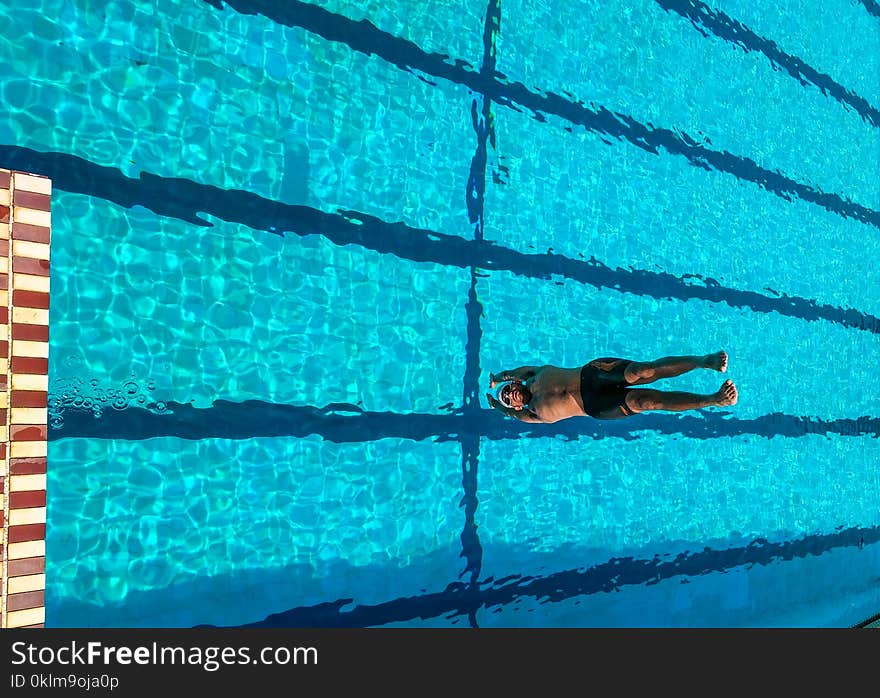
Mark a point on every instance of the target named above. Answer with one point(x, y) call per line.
point(25, 230)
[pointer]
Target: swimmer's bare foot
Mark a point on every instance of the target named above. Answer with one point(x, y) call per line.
point(717, 361)
point(727, 394)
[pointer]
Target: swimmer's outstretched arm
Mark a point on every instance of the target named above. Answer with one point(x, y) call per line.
point(522, 415)
point(520, 374)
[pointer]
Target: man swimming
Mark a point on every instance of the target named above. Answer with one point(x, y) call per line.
point(603, 389)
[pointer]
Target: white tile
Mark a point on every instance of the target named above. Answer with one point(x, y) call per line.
point(39, 350)
point(30, 316)
point(30, 282)
point(40, 185)
point(31, 548)
point(28, 449)
point(32, 250)
point(22, 517)
point(28, 415)
point(27, 381)
point(27, 483)
point(30, 616)
point(28, 582)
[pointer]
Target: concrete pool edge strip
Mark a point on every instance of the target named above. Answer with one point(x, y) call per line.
point(25, 229)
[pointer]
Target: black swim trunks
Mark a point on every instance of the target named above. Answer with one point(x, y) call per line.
point(604, 388)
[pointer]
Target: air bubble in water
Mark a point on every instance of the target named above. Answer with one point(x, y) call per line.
point(89, 394)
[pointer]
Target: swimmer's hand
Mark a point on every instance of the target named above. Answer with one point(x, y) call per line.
point(505, 376)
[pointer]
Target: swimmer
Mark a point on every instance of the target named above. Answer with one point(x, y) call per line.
point(604, 389)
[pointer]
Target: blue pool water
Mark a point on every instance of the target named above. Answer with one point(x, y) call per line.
point(291, 241)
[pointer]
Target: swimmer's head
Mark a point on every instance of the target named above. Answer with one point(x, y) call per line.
point(513, 395)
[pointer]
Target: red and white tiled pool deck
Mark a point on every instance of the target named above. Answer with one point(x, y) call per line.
point(25, 224)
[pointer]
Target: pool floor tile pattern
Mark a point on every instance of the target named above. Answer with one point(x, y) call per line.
point(25, 225)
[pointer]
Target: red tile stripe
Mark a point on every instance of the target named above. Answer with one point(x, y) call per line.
point(31, 365)
point(26, 532)
point(27, 499)
point(30, 199)
point(30, 333)
point(26, 566)
point(22, 432)
point(28, 398)
point(27, 466)
point(30, 299)
point(25, 537)
point(26, 265)
point(26, 599)
point(32, 233)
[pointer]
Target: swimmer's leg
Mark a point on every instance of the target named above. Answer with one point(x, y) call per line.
point(639, 372)
point(647, 399)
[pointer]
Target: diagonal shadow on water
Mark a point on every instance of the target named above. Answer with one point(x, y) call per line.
point(567, 584)
point(344, 423)
point(705, 18)
point(185, 199)
point(364, 37)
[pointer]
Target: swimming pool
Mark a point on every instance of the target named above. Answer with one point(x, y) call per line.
point(292, 240)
